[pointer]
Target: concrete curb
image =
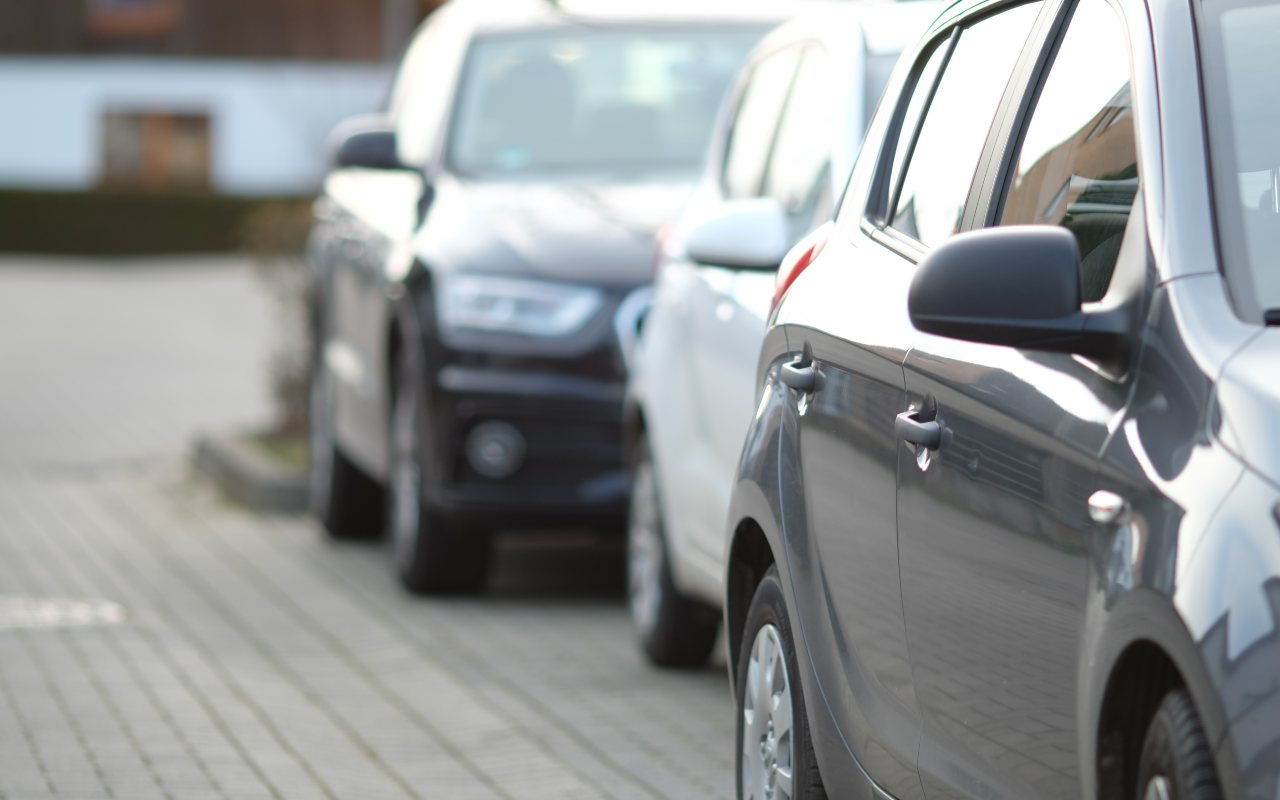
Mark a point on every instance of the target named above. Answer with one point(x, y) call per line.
point(248, 475)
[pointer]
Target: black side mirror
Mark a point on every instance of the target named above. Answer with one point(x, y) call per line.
point(367, 143)
point(1017, 286)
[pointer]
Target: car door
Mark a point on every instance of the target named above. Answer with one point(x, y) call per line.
point(375, 209)
point(727, 335)
point(993, 524)
point(846, 316)
point(376, 214)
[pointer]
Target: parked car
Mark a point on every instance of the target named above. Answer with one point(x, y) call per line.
point(1006, 520)
point(779, 159)
point(470, 251)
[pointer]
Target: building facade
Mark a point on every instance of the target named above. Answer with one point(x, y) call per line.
point(227, 96)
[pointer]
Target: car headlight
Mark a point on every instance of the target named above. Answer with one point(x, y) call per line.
point(488, 303)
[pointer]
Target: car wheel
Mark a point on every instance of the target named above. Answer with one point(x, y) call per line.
point(346, 501)
point(675, 630)
point(432, 556)
point(775, 751)
point(1177, 763)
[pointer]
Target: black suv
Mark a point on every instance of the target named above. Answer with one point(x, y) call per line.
point(470, 253)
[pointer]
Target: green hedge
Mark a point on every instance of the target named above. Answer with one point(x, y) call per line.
point(133, 223)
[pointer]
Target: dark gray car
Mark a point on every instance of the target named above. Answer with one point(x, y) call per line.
point(1006, 522)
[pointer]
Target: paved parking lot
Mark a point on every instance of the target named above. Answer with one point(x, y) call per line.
point(158, 642)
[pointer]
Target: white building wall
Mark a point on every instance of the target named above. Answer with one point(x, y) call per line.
point(269, 121)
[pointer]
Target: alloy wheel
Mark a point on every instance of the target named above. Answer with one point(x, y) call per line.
point(768, 758)
point(1158, 788)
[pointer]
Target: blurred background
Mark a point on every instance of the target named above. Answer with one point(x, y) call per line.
point(176, 129)
point(162, 126)
point(158, 164)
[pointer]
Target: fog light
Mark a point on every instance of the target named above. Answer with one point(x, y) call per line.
point(495, 449)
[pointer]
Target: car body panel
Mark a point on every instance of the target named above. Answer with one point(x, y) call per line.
point(1237, 627)
point(369, 210)
point(768, 472)
point(590, 229)
point(847, 596)
point(994, 534)
point(1157, 575)
point(703, 325)
point(1245, 399)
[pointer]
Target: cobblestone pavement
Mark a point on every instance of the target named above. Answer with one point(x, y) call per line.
point(157, 642)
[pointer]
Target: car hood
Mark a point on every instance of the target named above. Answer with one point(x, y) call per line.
point(1248, 403)
point(594, 233)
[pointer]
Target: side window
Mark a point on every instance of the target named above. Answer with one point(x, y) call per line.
point(751, 136)
point(799, 171)
point(941, 167)
point(915, 109)
point(1078, 165)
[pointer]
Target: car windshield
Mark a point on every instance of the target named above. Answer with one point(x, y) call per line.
point(1241, 59)
point(592, 99)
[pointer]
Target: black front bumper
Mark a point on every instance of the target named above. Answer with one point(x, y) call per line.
point(572, 472)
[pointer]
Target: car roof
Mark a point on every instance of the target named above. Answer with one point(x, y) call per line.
point(496, 16)
point(956, 9)
point(885, 27)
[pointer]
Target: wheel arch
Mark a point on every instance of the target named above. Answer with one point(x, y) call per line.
point(753, 547)
point(1145, 651)
point(1142, 675)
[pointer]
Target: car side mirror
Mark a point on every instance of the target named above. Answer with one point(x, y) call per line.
point(366, 143)
point(749, 234)
point(1017, 286)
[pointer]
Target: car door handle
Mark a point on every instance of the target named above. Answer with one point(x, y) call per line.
point(801, 377)
point(910, 428)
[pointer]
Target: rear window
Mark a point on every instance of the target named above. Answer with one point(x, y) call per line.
point(593, 99)
point(1241, 60)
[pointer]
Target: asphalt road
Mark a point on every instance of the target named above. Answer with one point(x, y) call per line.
point(156, 641)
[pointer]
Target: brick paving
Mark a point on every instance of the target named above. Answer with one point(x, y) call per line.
point(255, 659)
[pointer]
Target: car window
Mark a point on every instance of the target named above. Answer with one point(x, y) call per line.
point(592, 98)
point(1078, 164)
point(956, 123)
point(925, 81)
point(755, 123)
point(1237, 39)
point(799, 171)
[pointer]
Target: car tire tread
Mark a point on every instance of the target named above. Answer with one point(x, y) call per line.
point(1177, 747)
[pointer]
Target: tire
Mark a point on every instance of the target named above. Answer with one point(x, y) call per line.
point(346, 501)
point(763, 753)
point(432, 556)
point(675, 630)
point(1177, 762)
